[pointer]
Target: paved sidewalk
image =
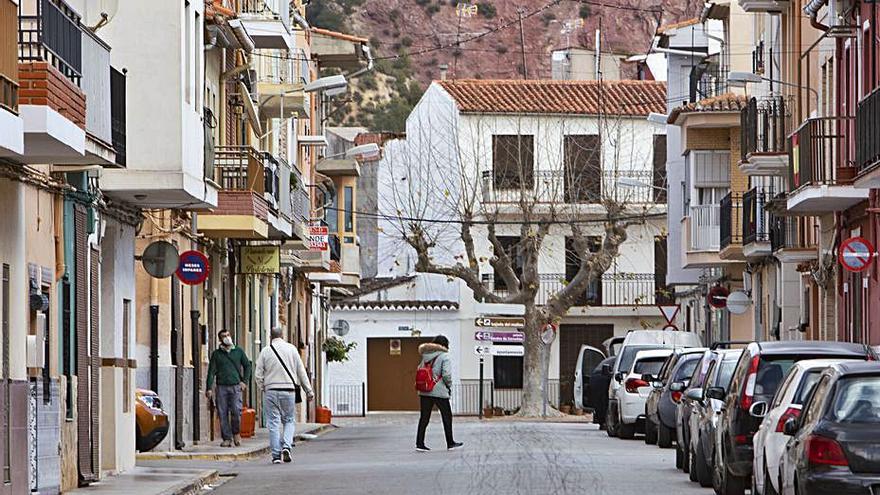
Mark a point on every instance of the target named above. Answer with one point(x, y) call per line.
point(153, 481)
point(255, 446)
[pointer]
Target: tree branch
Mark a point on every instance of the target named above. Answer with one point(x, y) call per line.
point(502, 264)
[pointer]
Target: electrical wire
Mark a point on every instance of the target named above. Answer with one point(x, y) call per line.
point(385, 216)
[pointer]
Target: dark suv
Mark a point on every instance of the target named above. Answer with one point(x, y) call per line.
point(758, 374)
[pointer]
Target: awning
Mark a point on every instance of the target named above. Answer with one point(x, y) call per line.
point(240, 34)
point(269, 34)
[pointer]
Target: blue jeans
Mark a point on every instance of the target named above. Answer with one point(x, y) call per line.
point(229, 409)
point(280, 409)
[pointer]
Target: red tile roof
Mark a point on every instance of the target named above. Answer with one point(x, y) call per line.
point(636, 98)
point(727, 102)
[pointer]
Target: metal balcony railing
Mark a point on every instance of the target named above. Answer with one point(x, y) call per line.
point(705, 222)
point(730, 229)
point(764, 126)
point(706, 82)
point(558, 187)
point(613, 289)
point(52, 35)
point(868, 132)
point(267, 9)
point(820, 153)
point(239, 168)
point(793, 232)
point(271, 179)
point(117, 114)
point(756, 218)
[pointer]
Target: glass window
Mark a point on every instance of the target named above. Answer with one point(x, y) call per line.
point(686, 369)
point(513, 159)
point(857, 400)
point(725, 374)
point(650, 365)
point(332, 214)
point(629, 355)
point(808, 382)
point(771, 371)
point(349, 209)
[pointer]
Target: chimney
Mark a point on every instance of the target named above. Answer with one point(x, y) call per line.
point(444, 68)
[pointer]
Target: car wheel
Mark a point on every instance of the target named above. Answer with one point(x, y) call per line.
point(704, 475)
point(650, 432)
point(679, 458)
point(664, 436)
point(625, 431)
point(768, 485)
point(732, 485)
point(692, 471)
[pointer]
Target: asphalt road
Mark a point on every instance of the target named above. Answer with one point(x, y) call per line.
point(376, 456)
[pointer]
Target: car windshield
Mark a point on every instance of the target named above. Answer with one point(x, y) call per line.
point(686, 369)
point(808, 381)
point(725, 373)
point(857, 400)
point(771, 371)
point(629, 355)
point(650, 366)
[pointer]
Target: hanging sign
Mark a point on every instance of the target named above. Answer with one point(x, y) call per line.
point(856, 254)
point(319, 237)
point(193, 268)
point(260, 259)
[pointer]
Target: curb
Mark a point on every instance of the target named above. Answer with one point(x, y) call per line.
point(193, 486)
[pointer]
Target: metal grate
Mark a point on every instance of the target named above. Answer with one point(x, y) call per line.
point(54, 36)
point(7, 409)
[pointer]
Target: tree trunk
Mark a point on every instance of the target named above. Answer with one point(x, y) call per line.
point(536, 362)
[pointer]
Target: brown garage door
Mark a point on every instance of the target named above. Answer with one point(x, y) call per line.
point(571, 338)
point(391, 376)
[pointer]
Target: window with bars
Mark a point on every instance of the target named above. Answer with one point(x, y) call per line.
point(513, 161)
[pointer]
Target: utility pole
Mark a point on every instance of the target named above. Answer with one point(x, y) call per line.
point(522, 43)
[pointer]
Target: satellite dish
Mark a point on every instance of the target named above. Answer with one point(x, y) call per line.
point(160, 259)
point(738, 302)
point(341, 328)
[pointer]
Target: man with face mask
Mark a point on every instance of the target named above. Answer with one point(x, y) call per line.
point(232, 369)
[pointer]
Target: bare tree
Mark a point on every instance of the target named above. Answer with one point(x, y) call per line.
point(476, 197)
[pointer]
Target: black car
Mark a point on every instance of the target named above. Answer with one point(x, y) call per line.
point(835, 444)
point(661, 405)
point(756, 377)
point(600, 378)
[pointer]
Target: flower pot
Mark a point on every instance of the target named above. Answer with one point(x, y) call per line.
point(488, 412)
point(566, 409)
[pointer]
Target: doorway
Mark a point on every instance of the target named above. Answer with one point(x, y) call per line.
point(391, 373)
point(571, 338)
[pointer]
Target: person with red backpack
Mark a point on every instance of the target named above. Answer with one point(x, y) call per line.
point(434, 384)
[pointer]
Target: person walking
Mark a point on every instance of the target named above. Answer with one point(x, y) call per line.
point(280, 373)
point(232, 370)
point(436, 355)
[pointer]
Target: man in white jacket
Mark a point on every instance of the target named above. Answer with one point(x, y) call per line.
point(279, 372)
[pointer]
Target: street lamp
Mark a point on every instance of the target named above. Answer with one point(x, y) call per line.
point(658, 118)
point(364, 151)
point(330, 85)
point(742, 79)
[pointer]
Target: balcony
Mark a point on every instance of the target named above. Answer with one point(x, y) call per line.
point(338, 50)
point(775, 6)
point(707, 81)
point(794, 239)
point(764, 133)
point(117, 114)
point(705, 228)
point(280, 88)
point(868, 142)
point(11, 125)
point(730, 228)
point(300, 205)
point(242, 211)
point(556, 187)
point(821, 167)
point(51, 103)
point(277, 194)
point(614, 289)
point(267, 22)
point(756, 223)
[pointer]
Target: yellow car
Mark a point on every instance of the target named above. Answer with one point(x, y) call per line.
point(151, 422)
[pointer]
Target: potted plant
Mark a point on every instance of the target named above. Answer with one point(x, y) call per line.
point(337, 350)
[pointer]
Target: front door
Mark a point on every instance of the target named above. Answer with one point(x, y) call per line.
point(571, 338)
point(391, 373)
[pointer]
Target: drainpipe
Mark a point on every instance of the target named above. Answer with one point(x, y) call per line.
point(154, 334)
point(196, 348)
point(811, 9)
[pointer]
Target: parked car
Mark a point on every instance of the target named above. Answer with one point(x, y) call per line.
point(635, 341)
point(660, 408)
point(588, 358)
point(636, 388)
point(757, 376)
point(600, 379)
point(833, 445)
point(770, 441)
point(151, 421)
point(705, 415)
point(683, 411)
point(612, 346)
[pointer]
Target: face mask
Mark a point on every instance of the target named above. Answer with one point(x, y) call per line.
point(227, 341)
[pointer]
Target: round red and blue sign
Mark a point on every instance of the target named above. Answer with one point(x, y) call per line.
point(856, 254)
point(193, 268)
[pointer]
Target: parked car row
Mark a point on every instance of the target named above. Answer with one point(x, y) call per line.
point(773, 417)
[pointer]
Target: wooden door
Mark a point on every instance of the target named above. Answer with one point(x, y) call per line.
point(391, 375)
point(571, 338)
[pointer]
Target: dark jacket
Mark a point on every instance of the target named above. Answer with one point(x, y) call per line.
point(229, 367)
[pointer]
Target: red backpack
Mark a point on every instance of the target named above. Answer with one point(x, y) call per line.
point(425, 380)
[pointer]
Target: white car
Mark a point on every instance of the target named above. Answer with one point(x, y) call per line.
point(769, 442)
point(636, 389)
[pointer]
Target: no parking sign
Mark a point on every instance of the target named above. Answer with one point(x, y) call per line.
point(856, 254)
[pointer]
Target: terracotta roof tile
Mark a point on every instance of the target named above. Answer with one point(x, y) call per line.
point(727, 102)
point(636, 98)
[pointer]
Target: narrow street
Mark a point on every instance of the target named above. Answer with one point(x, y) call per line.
point(376, 455)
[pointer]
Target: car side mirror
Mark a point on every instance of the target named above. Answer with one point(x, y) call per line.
point(758, 409)
point(676, 387)
point(607, 369)
point(716, 393)
point(791, 427)
point(695, 394)
point(619, 376)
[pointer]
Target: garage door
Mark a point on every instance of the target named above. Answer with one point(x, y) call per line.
point(391, 374)
point(571, 338)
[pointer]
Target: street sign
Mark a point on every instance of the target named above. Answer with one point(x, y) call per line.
point(856, 254)
point(670, 312)
point(548, 335)
point(482, 350)
point(506, 337)
point(738, 302)
point(319, 237)
point(193, 268)
point(508, 350)
point(500, 321)
point(717, 297)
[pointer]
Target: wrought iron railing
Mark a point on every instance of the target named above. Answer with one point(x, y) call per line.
point(612, 289)
point(559, 187)
point(793, 232)
point(239, 168)
point(268, 9)
point(705, 222)
point(868, 131)
point(9, 56)
point(466, 397)
point(764, 126)
point(820, 152)
point(730, 229)
point(756, 218)
point(52, 35)
point(347, 399)
point(706, 82)
point(117, 114)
